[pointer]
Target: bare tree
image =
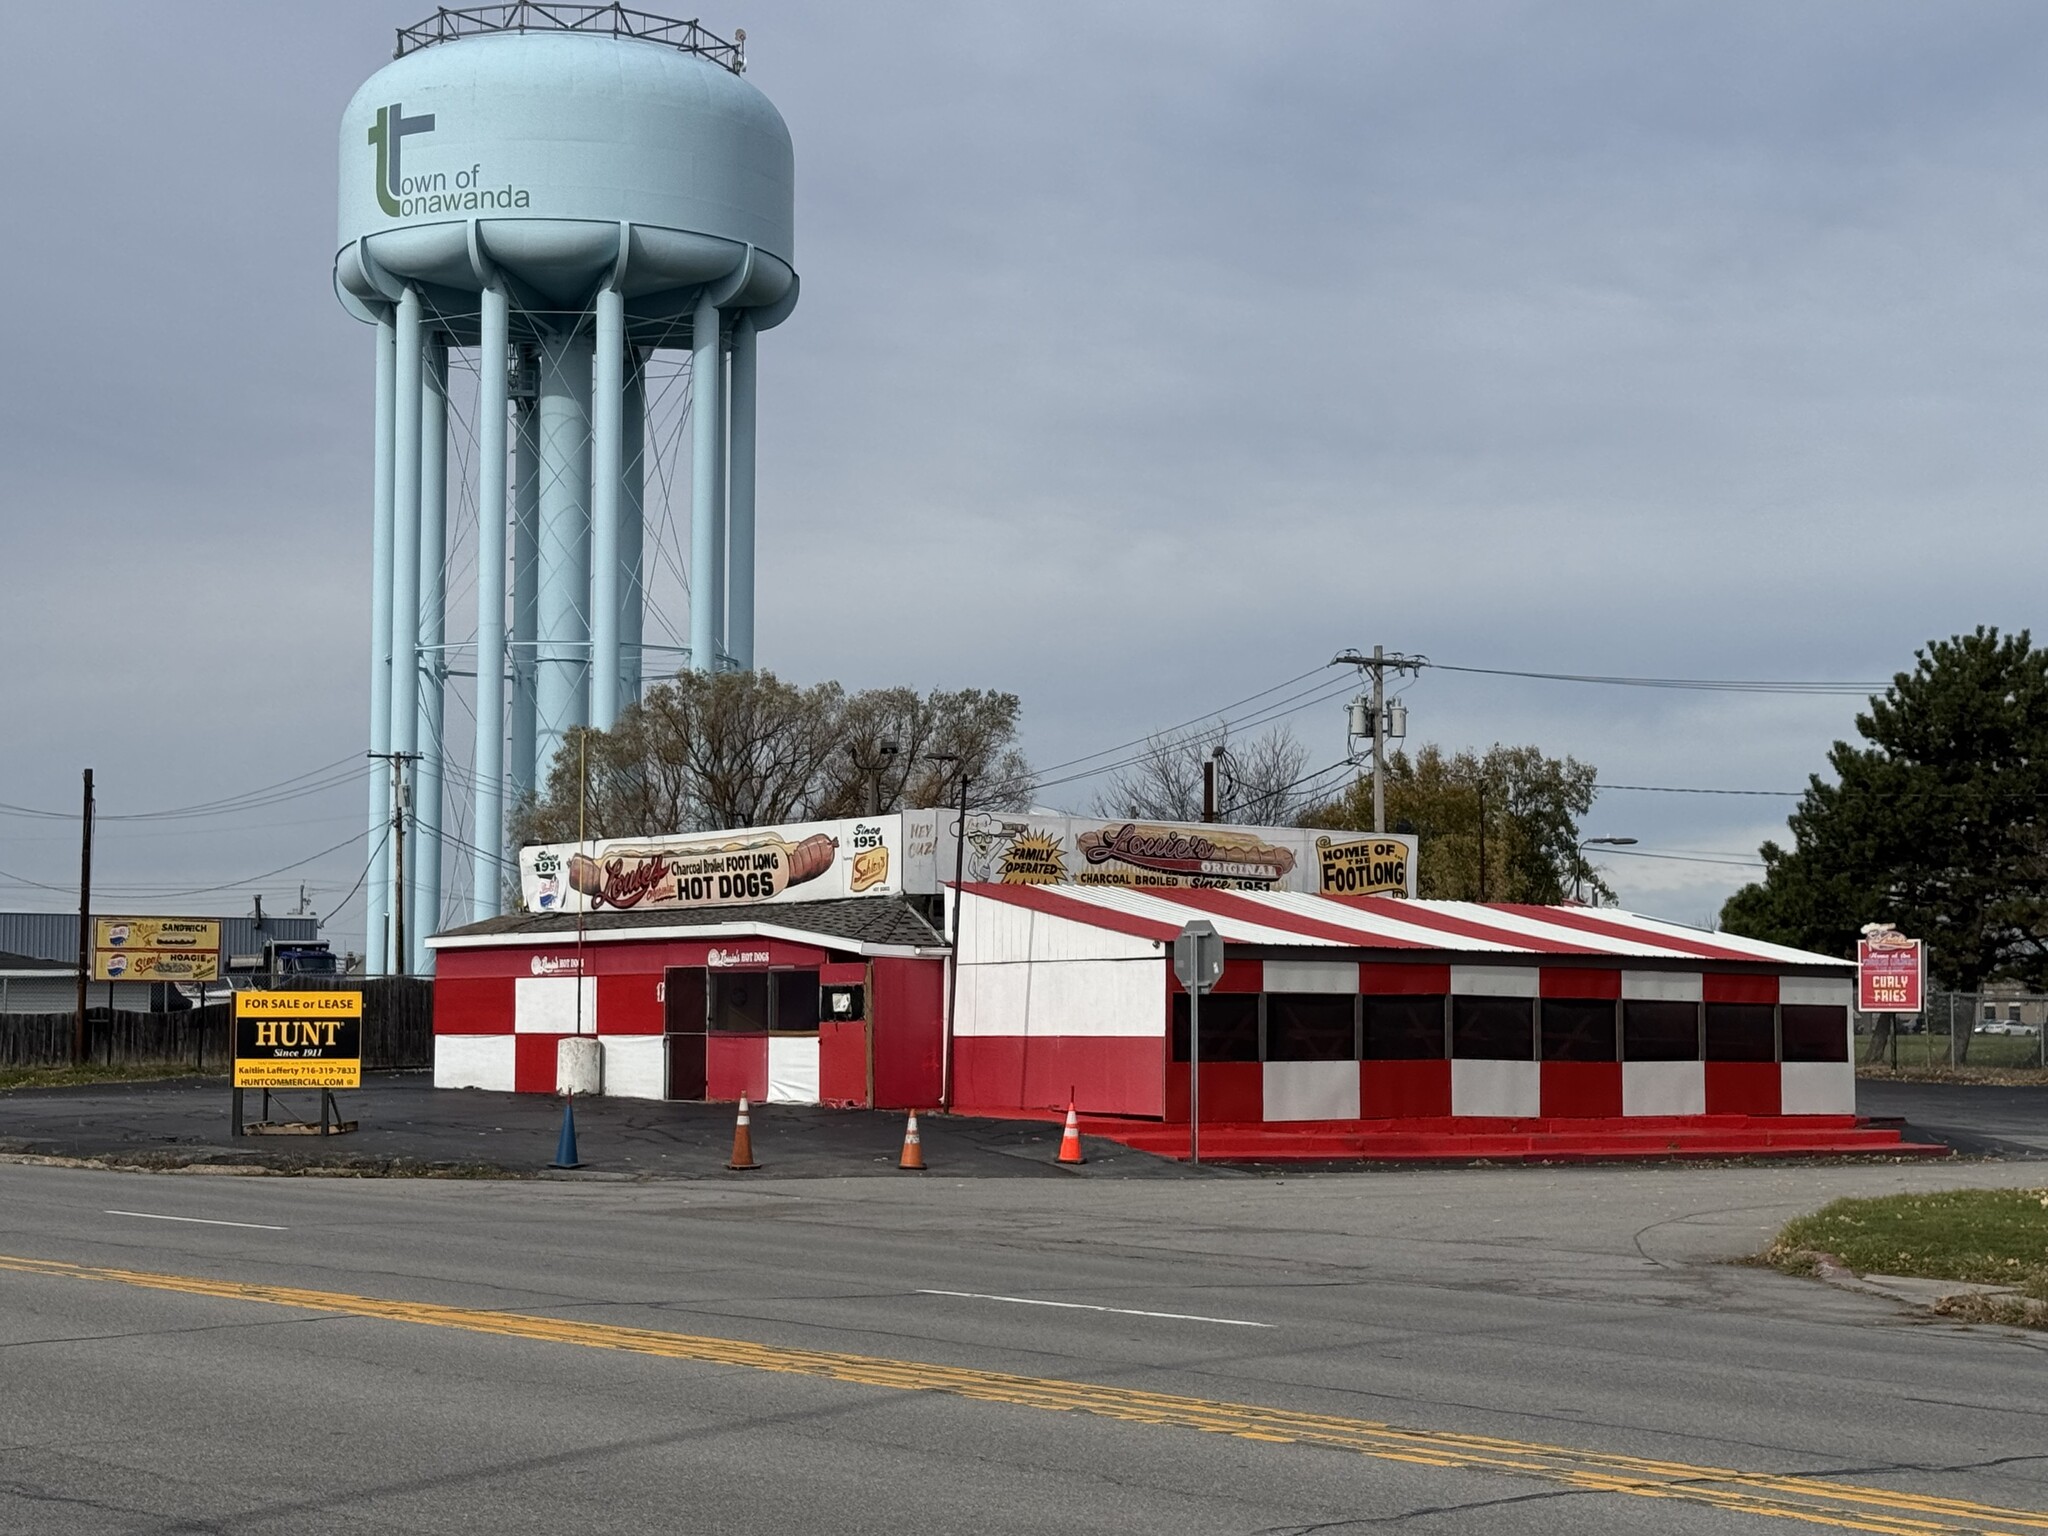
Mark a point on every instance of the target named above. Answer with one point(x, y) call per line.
point(937, 737)
point(739, 749)
point(1257, 782)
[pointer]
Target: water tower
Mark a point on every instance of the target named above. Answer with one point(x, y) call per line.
point(552, 196)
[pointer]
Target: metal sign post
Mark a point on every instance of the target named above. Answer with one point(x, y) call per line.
point(1198, 963)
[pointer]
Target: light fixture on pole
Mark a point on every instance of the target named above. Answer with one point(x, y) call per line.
point(1595, 842)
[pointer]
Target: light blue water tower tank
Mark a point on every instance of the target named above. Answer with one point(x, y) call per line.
point(565, 189)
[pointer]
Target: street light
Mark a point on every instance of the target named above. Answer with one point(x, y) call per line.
point(1596, 842)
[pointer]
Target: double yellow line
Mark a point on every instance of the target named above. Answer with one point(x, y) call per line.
point(1816, 1501)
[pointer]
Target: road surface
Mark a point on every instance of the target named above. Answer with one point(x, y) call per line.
point(1469, 1350)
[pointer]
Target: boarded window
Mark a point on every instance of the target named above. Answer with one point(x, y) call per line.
point(1404, 1028)
point(1815, 1032)
point(1493, 1029)
point(1742, 1032)
point(1230, 1026)
point(1576, 1029)
point(1660, 1031)
point(1311, 1026)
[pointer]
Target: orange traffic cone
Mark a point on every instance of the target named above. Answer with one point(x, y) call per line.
point(1070, 1139)
point(743, 1140)
point(913, 1149)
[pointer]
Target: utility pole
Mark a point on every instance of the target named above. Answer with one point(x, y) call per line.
point(1378, 664)
point(1209, 808)
point(84, 919)
point(400, 960)
point(953, 939)
point(1479, 789)
point(1379, 739)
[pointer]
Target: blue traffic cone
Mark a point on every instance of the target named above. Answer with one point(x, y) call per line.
point(565, 1149)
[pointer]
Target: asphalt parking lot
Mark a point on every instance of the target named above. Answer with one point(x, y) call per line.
point(405, 1124)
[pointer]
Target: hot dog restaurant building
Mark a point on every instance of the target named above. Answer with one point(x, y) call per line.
point(810, 964)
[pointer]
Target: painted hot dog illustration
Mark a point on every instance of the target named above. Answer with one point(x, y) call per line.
point(1189, 855)
point(699, 873)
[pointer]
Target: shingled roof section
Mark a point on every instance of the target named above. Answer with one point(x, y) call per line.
point(18, 965)
point(861, 919)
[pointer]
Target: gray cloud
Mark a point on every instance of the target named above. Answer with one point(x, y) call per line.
point(1147, 356)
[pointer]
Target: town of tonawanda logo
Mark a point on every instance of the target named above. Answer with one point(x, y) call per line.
point(404, 197)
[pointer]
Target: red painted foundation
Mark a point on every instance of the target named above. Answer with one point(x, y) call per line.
point(1466, 1140)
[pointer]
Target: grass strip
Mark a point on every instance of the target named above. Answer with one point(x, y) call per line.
point(1977, 1236)
point(77, 1077)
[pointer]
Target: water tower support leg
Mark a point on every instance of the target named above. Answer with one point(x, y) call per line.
point(562, 699)
point(607, 391)
point(739, 624)
point(707, 489)
point(525, 583)
point(377, 883)
point(632, 532)
point(424, 917)
point(487, 873)
point(405, 561)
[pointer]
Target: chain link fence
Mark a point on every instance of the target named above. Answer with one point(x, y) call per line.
point(1995, 1027)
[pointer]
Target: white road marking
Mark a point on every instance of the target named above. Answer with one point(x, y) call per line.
point(254, 1226)
point(1082, 1306)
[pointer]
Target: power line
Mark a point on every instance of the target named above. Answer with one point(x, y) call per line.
point(251, 799)
point(1693, 684)
point(1169, 730)
point(1672, 789)
point(369, 864)
point(1685, 858)
point(1280, 709)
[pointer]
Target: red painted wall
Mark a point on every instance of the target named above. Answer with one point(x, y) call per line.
point(1583, 982)
point(1403, 1090)
point(1107, 1074)
point(1743, 1087)
point(629, 1003)
point(533, 1063)
point(1400, 978)
point(736, 1064)
point(843, 1064)
point(1719, 987)
point(1581, 1090)
point(907, 1010)
point(1232, 1091)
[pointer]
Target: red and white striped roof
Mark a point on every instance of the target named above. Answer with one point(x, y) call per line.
point(1297, 919)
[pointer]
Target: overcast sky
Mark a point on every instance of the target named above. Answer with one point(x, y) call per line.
point(1148, 355)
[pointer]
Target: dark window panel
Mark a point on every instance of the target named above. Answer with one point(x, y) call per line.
point(1741, 1032)
point(1815, 1032)
point(1230, 1026)
point(796, 999)
point(1577, 1029)
point(1493, 1029)
point(1311, 1026)
point(1404, 1029)
point(1660, 1031)
point(739, 1002)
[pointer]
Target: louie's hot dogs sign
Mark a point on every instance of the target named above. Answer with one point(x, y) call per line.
point(912, 852)
point(809, 862)
point(1071, 850)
